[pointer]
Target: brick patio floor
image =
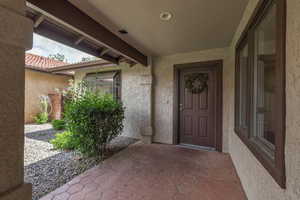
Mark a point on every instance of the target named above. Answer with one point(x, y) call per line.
point(156, 172)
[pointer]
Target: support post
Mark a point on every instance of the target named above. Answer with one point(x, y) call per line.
point(13, 44)
point(147, 119)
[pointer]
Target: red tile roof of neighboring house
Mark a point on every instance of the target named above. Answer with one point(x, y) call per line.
point(49, 65)
point(41, 63)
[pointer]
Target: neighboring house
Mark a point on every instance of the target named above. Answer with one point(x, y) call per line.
point(39, 81)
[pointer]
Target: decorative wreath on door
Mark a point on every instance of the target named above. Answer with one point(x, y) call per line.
point(196, 83)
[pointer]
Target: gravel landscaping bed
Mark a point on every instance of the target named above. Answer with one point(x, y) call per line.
point(48, 169)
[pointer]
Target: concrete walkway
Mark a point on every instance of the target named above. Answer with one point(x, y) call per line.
point(156, 172)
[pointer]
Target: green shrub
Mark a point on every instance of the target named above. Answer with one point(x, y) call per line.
point(94, 120)
point(41, 118)
point(64, 141)
point(58, 124)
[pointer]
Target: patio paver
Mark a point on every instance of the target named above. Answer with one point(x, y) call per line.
point(156, 172)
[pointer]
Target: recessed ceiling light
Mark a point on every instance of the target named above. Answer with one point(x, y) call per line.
point(165, 16)
point(122, 31)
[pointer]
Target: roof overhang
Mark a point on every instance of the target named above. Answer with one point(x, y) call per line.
point(38, 69)
point(61, 21)
point(79, 66)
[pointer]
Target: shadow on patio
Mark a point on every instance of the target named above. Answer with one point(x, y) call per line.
point(47, 169)
point(157, 172)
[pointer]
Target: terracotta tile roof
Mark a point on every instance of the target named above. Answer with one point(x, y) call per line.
point(41, 63)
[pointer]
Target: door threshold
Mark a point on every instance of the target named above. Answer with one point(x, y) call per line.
point(196, 147)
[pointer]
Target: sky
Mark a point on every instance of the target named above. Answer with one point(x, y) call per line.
point(44, 47)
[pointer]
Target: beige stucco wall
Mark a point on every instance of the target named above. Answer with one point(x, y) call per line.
point(13, 42)
point(257, 182)
point(134, 96)
point(37, 84)
point(164, 90)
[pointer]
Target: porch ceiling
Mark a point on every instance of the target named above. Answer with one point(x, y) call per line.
point(196, 24)
point(63, 22)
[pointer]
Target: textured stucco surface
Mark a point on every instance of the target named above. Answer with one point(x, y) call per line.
point(13, 42)
point(37, 84)
point(14, 5)
point(11, 19)
point(164, 90)
point(136, 93)
point(257, 182)
point(135, 96)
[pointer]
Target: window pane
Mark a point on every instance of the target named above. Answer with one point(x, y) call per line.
point(106, 83)
point(264, 80)
point(101, 82)
point(243, 69)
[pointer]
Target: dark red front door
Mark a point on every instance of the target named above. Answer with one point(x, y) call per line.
point(197, 106)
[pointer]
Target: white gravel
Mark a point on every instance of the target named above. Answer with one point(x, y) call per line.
point(48, 169)
point(37, 146)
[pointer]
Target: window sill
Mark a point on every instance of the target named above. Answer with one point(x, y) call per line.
point(268, 163)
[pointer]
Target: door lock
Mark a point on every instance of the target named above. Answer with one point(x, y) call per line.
point(181, 107)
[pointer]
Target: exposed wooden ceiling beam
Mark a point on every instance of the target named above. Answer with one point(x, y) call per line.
point(79, 40)
point(104, 51)
point(130, 62)
point(53, 30)
point(75, 18)
point(54, 34)
point(39, 20)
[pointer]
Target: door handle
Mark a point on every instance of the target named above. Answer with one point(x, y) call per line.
point(181, 107)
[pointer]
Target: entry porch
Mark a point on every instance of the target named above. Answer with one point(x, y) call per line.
point(156, 171)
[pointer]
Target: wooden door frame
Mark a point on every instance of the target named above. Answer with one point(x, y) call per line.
point(219, 98)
